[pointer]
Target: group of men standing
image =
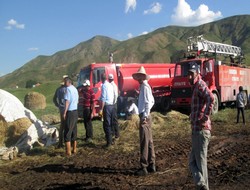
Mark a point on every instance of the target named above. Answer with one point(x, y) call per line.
point(201, 106)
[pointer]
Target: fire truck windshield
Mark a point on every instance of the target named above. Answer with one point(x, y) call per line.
point(84, 75)
point(181, 69)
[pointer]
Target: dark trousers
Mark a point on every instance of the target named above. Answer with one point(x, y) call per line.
point(107, 122)
point(70, 132)
point(61, 129)
point(115, 126)
point(147, 156)
point(87, 122)
point(242, 113)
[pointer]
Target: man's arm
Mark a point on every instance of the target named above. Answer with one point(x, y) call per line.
point(55, 99)
point(66, 108)
point(103, 98)
point(208, 96)
point(92, 103)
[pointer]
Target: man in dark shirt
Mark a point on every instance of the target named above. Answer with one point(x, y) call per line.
point(59, 102)
point(88, 99)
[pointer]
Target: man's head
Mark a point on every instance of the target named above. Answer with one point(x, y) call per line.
point(67, 81)
point(193, 72)
point(111, 77)
point(64, 76)
point(140, 75)
point(86, 84)
point(241, 88)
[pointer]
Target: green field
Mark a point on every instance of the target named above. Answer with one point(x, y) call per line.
point(47, 89)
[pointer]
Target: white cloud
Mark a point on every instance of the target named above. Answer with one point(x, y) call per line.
point(155, 8)
point(2, 74)
point(184, 15)
point(144, 33)
point(14, 24)
point(33, 49)
point(130, 5)
point(130, 35)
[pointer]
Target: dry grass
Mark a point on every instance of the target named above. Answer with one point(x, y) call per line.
point(51, 119)
point(35, 100)
point(131, 124)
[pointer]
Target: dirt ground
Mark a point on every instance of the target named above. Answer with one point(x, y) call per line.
point(94, 167)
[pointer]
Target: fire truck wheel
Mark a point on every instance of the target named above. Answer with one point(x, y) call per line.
point(216, 104)
point(165, 104)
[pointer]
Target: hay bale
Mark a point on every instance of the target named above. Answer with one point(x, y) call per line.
point(35, 100)
point(16, 129)
point(3, 130)
point(51, 119)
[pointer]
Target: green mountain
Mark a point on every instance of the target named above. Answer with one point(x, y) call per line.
point(165, 44)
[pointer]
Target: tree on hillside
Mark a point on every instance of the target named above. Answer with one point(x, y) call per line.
point(30, 83)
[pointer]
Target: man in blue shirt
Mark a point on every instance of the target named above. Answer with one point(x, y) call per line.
point(107, 106)
point(71, 116)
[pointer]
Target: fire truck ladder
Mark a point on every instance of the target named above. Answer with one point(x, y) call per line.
point(199, 44)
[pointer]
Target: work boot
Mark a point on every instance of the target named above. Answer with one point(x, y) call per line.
point(151, 168)
point(68, 148)
point(74, 147)
point(142, 172)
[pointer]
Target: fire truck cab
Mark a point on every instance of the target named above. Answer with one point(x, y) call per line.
point(222, 78)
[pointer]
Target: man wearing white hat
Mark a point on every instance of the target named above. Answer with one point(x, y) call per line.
point(145, 103)
point(115, 127)
point(59, 102)
point(88, 99)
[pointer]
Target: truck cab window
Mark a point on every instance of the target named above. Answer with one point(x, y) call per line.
point(84, 75)
point(208, 67)
point(97, 73)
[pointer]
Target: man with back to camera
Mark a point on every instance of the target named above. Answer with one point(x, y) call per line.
point(115, 126)
point(145, 103)
point(71, 116)
point(59, 102)
point(201, 106)
point(106, 109)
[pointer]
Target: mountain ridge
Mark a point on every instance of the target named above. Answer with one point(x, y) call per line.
point(166, 44)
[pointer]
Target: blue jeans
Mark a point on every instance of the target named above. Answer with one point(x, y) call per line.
point(198, 157)
point(107, 122)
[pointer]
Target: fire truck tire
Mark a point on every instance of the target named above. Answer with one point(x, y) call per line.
point(165, 104)
point(215, 108)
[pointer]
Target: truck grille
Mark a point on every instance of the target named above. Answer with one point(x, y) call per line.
point(181, 93)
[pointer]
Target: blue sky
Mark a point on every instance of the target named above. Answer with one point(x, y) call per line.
point(29, 28)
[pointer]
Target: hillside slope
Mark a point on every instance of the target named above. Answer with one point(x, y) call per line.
point(165, 44)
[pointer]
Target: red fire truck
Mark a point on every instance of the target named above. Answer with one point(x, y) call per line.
point(222, 78)
point(161, 76)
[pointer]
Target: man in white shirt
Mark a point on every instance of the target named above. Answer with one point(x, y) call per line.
point(145, 103)
point(132, 109)
point(115, 127)
point(107, 106)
